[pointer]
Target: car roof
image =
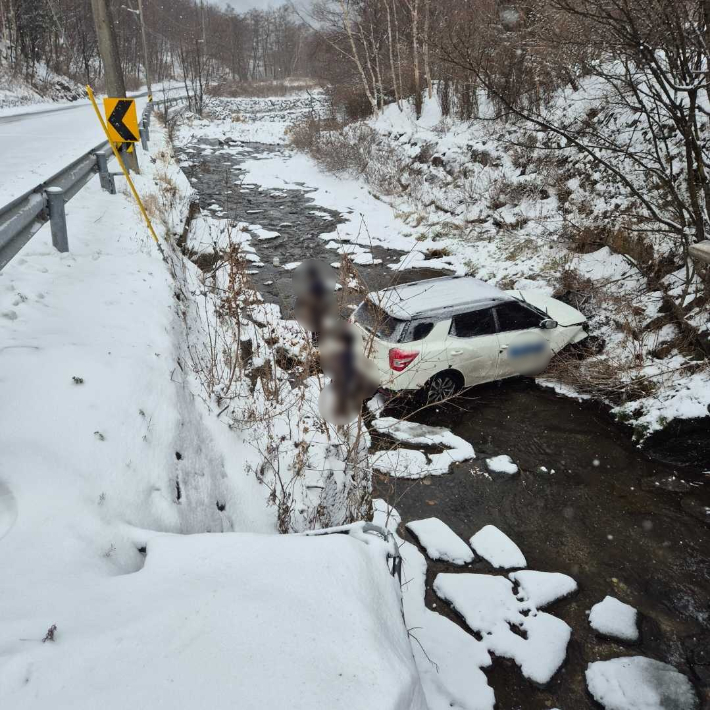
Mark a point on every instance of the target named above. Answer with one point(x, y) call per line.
point(437, 298)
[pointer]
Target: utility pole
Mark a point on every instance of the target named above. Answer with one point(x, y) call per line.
point(145, 51)
point(108, 49)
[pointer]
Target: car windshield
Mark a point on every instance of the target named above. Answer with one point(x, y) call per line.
point(375, 320)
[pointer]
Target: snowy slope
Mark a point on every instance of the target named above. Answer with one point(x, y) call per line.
point(209, 622)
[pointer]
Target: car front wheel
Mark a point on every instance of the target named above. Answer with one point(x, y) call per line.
point(443, 386)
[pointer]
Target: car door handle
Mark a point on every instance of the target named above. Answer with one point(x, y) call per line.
point(503, 347)
point(457, 352)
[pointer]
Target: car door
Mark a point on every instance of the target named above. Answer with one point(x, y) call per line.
point(472, 346)
point(524, 346)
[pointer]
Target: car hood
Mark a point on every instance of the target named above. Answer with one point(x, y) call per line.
point(565, 315)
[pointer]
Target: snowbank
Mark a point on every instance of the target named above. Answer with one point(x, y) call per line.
point(449, 660)
point(209, 621)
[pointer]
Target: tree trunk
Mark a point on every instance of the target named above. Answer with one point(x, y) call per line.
point(425, 49)
point(397, 94)
point(356, 58)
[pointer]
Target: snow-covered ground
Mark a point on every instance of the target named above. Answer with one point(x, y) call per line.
point(219, 621)
point(145, 399)
point(120, 435)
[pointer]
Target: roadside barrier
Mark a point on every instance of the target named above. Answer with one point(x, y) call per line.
point(22, 218)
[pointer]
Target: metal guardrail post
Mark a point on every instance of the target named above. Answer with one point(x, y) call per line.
point(105, 177)
point(144, 137)
point(57, 218)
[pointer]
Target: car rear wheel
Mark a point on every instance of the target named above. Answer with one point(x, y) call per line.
point(443, 386)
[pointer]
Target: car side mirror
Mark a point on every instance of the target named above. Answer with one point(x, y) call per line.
point(548, 324)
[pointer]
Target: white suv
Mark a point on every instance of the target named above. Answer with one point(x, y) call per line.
point(445, 334)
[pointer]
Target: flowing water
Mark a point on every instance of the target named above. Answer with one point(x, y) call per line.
point(619, 523)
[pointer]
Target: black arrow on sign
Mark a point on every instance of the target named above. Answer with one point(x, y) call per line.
point(116, 120)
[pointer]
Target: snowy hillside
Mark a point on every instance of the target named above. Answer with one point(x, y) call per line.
point(524, 210)
point(45, 87)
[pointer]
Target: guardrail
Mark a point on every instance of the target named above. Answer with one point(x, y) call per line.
point(26, 214)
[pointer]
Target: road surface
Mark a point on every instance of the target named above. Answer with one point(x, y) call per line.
point(36, 144)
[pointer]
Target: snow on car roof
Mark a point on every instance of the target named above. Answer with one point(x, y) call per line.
point(436, 296)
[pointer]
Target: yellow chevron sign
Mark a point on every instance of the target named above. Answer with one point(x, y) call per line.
point(122, 120)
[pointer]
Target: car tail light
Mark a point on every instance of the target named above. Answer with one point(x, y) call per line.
point(400, 359)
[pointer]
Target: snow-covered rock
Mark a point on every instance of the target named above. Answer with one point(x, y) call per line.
point(424, 435)
point(489, 607)
point(440, 541)
point(497, 548)
point(449, 659)
point(483, 600)
point(501, 464)
point(409, 463)
point(543, 588)
point(611, 617)
point(638, 683)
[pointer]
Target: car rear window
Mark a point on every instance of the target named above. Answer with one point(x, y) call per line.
point(414, 332)
point(373, 319)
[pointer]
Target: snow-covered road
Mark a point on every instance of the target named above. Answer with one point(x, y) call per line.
point(38, 142)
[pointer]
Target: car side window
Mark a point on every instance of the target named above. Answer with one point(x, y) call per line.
point(473, 324)
point(421, 330)
point(515, 316)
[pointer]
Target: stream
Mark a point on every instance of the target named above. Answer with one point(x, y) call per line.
point(619, 523)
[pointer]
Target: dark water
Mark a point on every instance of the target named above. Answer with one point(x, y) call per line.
point(600, 517)
point(289, 212)
point(617, 522)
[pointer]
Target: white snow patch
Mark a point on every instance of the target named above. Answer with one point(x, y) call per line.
point(543, 588)
point(424, 435)
point(263, 234)
point(497, 548)
point(638, 683)
point(440, 541)
point(408, 463)
point(501, 464)
point(611, 617)
point(489, 607)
